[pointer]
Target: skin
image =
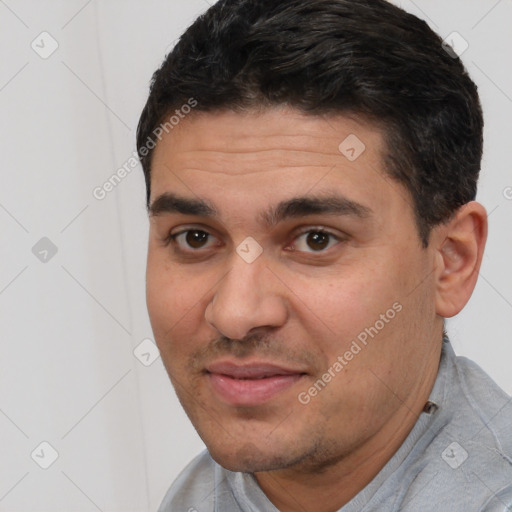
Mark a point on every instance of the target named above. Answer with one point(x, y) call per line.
point(300, 304)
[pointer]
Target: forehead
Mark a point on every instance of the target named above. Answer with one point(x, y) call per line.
point(307, 139)
point(256, 158)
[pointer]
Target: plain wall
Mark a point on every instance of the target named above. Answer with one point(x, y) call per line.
point(69, 322)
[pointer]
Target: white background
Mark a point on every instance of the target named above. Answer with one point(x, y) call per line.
point(69, 325)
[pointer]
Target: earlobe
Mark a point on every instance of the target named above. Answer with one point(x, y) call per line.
point(460, 250)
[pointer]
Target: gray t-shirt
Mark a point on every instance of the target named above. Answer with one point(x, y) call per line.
point(457, 458)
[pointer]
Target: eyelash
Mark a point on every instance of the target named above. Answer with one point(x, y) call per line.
point(321, 230)
point(171, 238)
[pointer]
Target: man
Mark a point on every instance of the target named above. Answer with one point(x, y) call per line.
point(311, 172)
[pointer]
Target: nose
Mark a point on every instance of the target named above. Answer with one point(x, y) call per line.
point(248, 297)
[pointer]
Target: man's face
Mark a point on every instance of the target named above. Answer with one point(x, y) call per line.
point(308, 341)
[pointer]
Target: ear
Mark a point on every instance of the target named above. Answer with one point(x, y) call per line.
point(460, 246)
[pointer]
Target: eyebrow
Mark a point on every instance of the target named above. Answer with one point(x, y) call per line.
point(291, 208)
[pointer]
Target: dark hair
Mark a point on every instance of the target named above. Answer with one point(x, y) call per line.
point(367, 58)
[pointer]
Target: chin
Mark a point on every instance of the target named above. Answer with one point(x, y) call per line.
point(249, 458)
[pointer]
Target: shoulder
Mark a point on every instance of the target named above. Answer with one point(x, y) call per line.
point(489, 443)
point(468, 463)
point(488, 405)
point(192, 490)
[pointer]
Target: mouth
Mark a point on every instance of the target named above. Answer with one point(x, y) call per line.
point(250, 384)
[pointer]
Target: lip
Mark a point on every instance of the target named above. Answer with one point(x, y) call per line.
point(250, 384)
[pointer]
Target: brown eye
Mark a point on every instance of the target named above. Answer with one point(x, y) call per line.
point(196, 238)
point(192, 240)
point(317, 240)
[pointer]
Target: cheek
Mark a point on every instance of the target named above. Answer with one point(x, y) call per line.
point(347, 302)
point(173, 300)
